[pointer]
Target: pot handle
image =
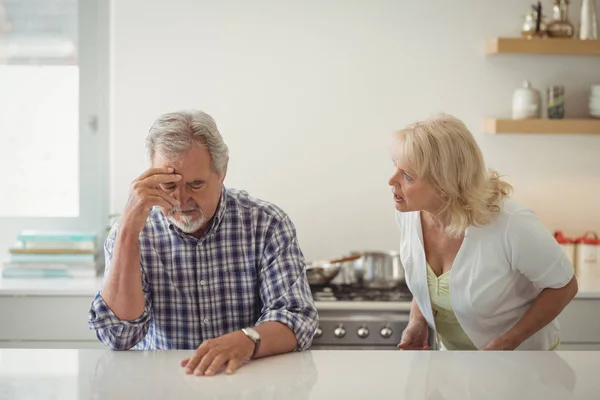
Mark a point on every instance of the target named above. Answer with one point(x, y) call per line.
point(345, 259)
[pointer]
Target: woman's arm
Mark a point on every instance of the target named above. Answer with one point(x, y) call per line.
point(545, 308)
point(416, 316)
point(416, 334)
point(532, 250)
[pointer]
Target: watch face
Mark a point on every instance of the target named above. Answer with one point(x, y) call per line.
point(253, 334)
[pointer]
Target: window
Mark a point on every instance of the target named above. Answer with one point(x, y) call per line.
point(53, 87)
point(39, 76)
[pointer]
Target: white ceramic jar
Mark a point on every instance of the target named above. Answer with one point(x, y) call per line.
point(567, 244)
point(526, 102)
point(587, 259)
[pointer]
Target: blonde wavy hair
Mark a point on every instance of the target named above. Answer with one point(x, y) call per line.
point(443, 151)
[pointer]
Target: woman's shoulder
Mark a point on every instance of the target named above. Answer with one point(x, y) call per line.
point(511, 207)
point(515, 212)
point(510, 211)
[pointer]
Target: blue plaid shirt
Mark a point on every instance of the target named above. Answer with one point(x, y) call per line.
point(245, 270)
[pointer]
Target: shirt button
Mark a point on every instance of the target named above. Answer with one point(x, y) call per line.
point(206, 320)
point(202, 282)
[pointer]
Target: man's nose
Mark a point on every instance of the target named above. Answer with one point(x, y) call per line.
point(180, 193)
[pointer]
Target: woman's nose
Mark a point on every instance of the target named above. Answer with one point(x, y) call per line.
point(394, 181)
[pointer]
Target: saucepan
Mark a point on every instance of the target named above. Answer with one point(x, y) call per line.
point(379, 270)
point(323, 272)
point(351, 272)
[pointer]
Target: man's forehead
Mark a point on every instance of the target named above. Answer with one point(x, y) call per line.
point(188, 172)
point(159, 161)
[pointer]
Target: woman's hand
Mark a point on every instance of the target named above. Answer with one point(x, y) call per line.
point(415, 337)
point(501, 343)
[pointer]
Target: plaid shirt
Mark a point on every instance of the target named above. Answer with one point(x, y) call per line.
point(245, 270)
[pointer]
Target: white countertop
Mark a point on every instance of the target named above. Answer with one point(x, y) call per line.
point(89, 287)
point(317, 374)
point(49, 286)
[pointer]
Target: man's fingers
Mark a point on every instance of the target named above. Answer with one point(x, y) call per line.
point(216, 364)
point(154, 180)
point(195, 359)
point(205, 362)
point(233, 365)
point(183, 363)
point(155, 171)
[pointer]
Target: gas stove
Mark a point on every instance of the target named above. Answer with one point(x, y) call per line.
point(352, 317)
point(357, 293)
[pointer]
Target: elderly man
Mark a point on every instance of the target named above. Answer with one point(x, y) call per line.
point(192, 264)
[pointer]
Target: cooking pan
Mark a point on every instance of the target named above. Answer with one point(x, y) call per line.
point(323, 272)
point(381, 270)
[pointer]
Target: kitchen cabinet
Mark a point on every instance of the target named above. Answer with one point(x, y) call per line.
point(580, 347)
point(48, 313)
point(580, 325)
point(50, 321)
point(53, 314)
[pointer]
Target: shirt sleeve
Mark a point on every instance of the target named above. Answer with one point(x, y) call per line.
point(117, 334)
point(533, 251)
point(283, 285)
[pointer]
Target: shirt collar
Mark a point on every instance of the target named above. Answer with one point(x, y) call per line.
point(220, 212)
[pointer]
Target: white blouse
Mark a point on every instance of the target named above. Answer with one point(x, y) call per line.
point(498, 272)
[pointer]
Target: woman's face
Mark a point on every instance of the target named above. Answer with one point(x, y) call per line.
point(411, 192)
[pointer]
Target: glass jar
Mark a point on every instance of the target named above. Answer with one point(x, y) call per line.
point(556, 102)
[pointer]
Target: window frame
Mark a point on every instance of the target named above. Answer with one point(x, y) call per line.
point(93, 61)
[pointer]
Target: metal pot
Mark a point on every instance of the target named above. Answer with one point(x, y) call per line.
point(321, 272)
point(325, 272)
point(350, 271)
point(381, 270)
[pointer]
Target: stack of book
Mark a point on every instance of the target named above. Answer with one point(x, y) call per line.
point(52, 254)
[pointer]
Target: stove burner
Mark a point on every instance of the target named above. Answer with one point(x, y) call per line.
point(356, 293)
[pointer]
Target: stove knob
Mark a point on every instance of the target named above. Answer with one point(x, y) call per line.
point(318, 332)
point(363, 332)
point(386, 332)
point(339, 332)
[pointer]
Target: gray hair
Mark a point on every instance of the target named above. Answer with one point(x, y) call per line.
point(173, 134)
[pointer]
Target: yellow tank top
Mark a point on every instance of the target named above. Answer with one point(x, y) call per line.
point(449, 332)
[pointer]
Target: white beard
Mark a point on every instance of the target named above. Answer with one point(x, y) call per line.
point(187, 223)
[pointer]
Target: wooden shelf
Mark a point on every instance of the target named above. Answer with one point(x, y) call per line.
point(542, 46)
point(564, 126)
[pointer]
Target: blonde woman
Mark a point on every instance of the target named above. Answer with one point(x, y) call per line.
point(484, 273)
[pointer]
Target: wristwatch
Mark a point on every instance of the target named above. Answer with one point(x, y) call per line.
point(255, 337)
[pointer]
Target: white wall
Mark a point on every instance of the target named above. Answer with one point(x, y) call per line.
point(307, 94)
